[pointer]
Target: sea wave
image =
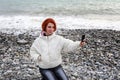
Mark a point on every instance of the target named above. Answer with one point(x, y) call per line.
point(68, 22)
point(62, 7)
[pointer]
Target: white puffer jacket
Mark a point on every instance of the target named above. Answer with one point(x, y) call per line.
point(49, 49)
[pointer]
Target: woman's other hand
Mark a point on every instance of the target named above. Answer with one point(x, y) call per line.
point(39, 58)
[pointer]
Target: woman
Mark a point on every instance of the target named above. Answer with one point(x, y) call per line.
point(46, 51)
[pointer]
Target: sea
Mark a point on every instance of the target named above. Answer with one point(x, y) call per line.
point(68, 14)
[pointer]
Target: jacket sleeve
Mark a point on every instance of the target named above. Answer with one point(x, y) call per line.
point(34, 53)
point(69, 45)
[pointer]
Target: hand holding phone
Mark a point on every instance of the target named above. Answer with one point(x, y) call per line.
point(82, 43)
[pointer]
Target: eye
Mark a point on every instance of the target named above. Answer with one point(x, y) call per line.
point(50, 26)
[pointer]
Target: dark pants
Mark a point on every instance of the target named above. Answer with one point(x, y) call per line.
point(56, 73)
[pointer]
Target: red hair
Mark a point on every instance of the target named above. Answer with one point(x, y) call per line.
point(45, 23)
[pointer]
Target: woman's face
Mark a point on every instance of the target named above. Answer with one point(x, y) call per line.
point(50, 28)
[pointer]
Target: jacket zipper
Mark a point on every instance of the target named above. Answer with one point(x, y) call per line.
point(48, 47)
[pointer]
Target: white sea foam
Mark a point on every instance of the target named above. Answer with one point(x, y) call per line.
point(67, 22)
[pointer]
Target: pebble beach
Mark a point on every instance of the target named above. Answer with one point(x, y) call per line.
point(97, 60)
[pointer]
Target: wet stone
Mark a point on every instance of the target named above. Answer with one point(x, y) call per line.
point(22, 41)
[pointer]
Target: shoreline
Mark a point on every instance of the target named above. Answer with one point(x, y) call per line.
point(76, 22)
point(23, 31)
point(99, 59)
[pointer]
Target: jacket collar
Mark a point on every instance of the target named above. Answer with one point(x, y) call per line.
point(47, 37)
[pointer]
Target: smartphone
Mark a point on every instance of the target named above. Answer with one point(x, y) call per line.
point(83, 37)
